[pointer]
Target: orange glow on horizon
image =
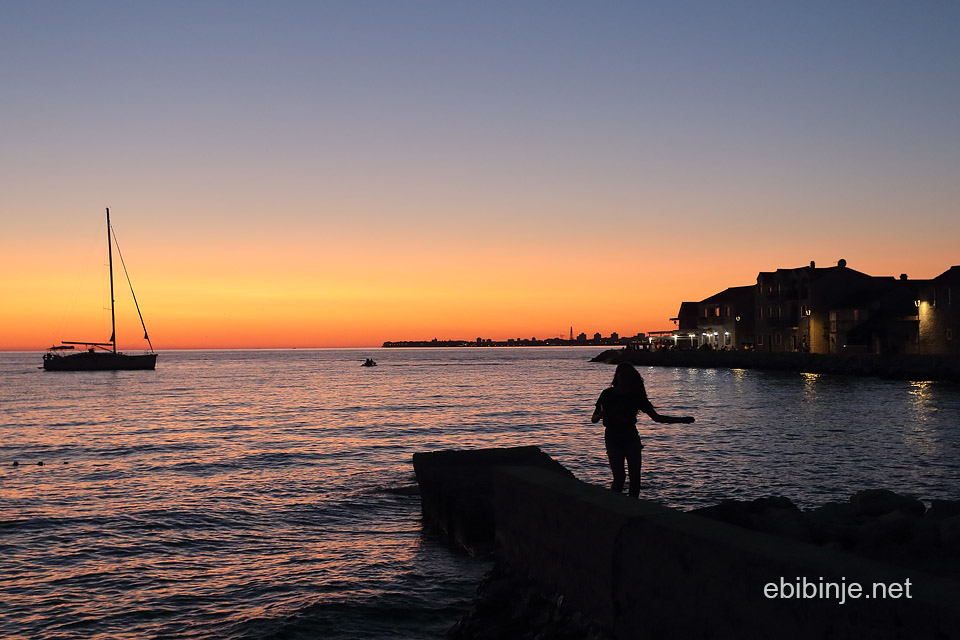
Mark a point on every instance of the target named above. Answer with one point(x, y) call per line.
point(303, 292)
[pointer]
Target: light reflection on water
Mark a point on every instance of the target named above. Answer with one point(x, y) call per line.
point(247, 494)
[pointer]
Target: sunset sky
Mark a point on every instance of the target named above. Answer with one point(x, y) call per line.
point(310, 174)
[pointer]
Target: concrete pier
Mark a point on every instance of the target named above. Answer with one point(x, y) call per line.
point(641, 570)
point(456, 490)
point(893, 367)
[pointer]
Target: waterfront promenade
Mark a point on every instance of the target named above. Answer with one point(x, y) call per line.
point(898, 367)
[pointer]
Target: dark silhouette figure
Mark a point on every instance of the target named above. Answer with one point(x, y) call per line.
point(618, 406)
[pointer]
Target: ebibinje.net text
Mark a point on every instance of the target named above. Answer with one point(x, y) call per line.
point(841, 591)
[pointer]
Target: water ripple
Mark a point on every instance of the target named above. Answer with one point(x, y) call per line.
point(270, 494)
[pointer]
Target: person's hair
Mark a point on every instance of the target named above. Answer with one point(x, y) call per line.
point(627, 379)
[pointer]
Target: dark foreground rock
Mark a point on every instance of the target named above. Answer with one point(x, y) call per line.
point(874, 523)
point(585, 562)
point(509, 604)
point(895, 367)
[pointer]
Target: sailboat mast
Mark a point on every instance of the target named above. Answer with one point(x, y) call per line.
point(113, 317)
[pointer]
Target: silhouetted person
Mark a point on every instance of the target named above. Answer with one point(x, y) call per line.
point(618, 406)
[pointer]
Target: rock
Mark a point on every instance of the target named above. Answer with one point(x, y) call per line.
point(456, 490)
point(833, 523)
point(895, 527)
point(509, 604)
point(927, 533)
point(781, 517)
point(940, 509)
point(776, 515)
point(877, 502)
point(950, 533)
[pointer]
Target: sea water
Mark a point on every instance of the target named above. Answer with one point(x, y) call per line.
point(270, 494)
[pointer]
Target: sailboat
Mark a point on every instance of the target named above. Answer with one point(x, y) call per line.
point(102, 356)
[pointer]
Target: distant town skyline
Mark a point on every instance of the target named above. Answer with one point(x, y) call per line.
point(340, 174)
point(581, 339)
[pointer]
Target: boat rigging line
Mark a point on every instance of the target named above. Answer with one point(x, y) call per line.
point(125, 273)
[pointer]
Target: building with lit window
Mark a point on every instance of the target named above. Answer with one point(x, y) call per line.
point(832, 309)
point(937, 316)
point(797, 309)
point(725, 320)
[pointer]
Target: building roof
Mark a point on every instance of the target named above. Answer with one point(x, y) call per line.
point(950, 275)
point(729, 293)
point(813, 272)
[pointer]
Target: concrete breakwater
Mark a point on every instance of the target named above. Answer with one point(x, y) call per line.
point(897, 367)
point(607, 566)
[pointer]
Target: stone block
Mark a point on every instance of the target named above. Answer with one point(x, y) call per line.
point(456, 489)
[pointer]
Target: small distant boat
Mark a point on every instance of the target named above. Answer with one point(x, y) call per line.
point(102, 356)
point(369, 362)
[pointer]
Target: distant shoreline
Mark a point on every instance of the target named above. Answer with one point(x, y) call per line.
point(520, 342)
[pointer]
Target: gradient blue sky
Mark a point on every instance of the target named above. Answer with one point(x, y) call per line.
point(695, 142)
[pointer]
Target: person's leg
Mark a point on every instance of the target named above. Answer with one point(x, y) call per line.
point(616, 456)
point(634, 454)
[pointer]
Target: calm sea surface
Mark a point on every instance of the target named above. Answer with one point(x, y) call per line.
point(265, 494)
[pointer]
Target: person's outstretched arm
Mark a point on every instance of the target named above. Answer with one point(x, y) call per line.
point(656, 417)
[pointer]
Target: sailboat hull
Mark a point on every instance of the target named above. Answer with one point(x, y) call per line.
point(99, 361)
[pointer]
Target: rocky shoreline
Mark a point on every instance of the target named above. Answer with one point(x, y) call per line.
point(573, 560)
point(894, 367)
point(877, 524)
point(511, 604)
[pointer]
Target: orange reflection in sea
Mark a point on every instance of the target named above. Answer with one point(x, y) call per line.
point(234, 494)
